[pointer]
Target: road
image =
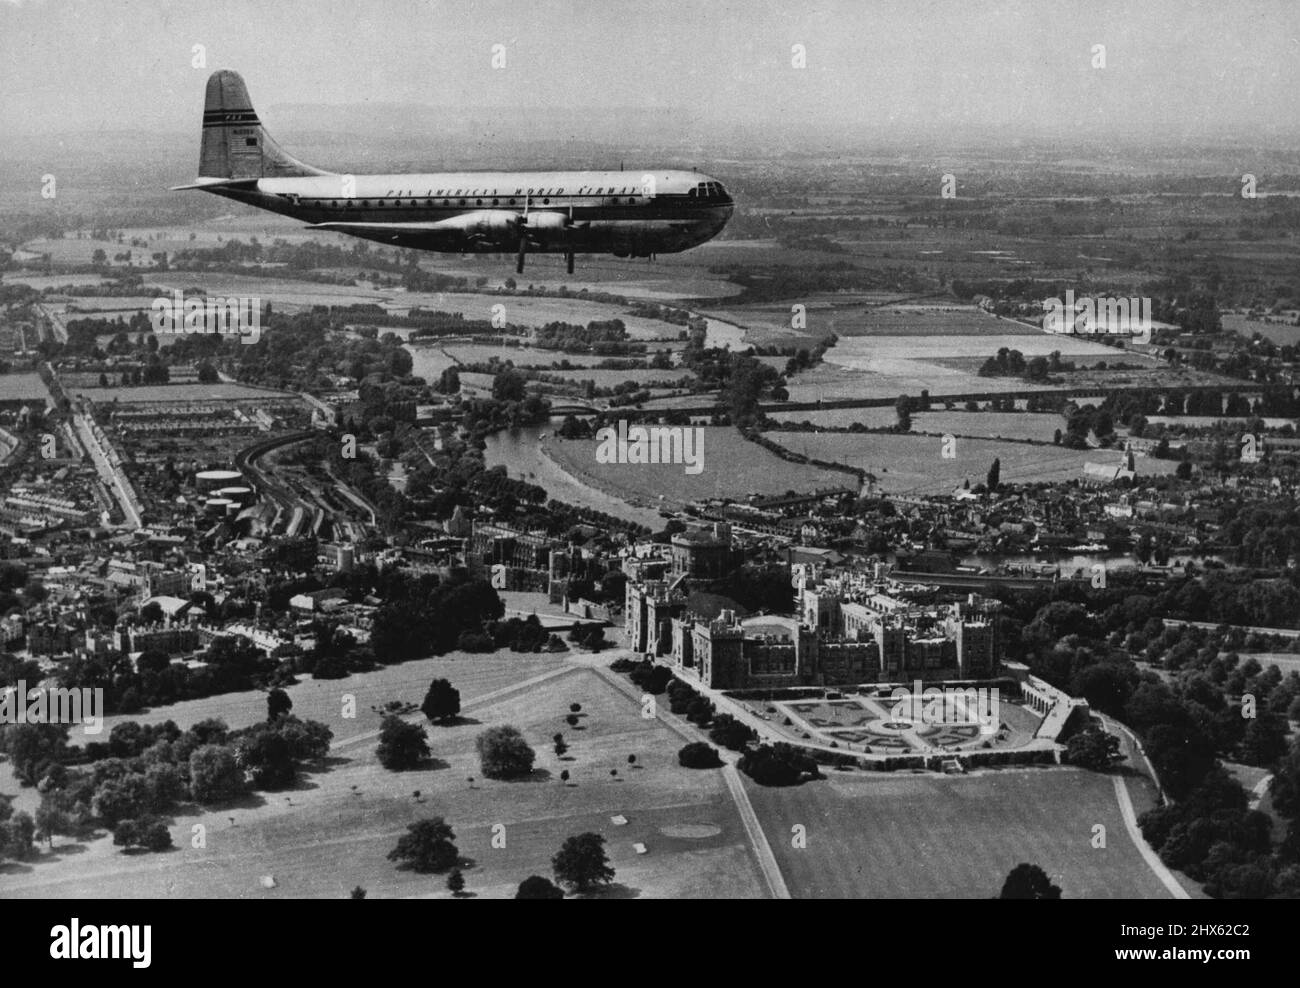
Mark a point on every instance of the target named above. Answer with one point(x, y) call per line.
point(110, 474)
point(1248, 629)
point(1131, 745)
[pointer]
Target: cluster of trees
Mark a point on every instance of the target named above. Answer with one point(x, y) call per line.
point(1093, 748)
point(1214, 706)
point(598, 336)
point(778, 764)
point(697, 754)
point(423, 616)
point(518, 634)
point(590, 636)
point(143, 772)
point(1212, 836)
point(232, 664)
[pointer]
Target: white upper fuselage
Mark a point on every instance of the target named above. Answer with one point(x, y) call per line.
point(622, 212)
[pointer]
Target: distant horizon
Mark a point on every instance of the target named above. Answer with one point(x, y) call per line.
point(882, 70)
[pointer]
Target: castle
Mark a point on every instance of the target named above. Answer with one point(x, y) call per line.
point(847, 630)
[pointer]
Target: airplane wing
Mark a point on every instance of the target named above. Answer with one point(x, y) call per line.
point(379, 228)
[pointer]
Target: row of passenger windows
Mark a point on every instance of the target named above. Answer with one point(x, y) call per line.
point(531, 193)
point(365, 203)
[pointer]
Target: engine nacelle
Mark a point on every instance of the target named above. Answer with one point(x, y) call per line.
point(483, 221)
point(547, 221)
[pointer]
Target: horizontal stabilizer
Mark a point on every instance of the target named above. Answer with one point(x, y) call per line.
point(217, 183)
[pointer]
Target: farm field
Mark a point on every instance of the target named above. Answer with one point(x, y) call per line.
point(42, 281)
point(733, 467)
point(915, 464)
point(333, 831)
point(1281, 333)
point(220, 391)
point(887, 366)
point(16, 387)
point(941, 837)
point(105, 308)
point(927, 320)
point(992, 425)
point(520, 356)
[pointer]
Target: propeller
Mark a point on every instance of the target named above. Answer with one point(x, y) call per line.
point(568, 256)
point(523, 238)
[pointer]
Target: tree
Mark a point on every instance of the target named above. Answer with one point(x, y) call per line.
point(1093, 748)
point(994, 475)
point(357, 893)
point(215, 776)
point(33, 749)
point(449, 381)
point(53, 817)
point(207, 373)
point(581, 863)
point(697, 754)
point(503, 753)
point(277, 703)
point(123, 798)
point(152, 660)
point(777, 765)
point(441, 702)
point(560, 747)
point(265, 755)
point(428, 845)
point(149, 833)
point(455, 882)
point(508, 385)
point(1028, 881)
point(1265, 740)
point(903, 408)
point(16, 832)
point(537, 887)
point(401, 745)
point(731, 733)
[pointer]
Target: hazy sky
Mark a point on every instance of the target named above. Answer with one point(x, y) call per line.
point(991, 67)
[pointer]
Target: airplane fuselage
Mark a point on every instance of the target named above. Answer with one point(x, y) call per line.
point(627, 214)
point(623, 213)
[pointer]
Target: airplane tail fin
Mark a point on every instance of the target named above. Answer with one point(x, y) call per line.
point(235, 144)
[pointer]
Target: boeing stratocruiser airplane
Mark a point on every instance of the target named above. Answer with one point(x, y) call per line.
point(627, 214)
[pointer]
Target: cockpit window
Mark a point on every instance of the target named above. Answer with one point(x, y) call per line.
point(707, 190)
